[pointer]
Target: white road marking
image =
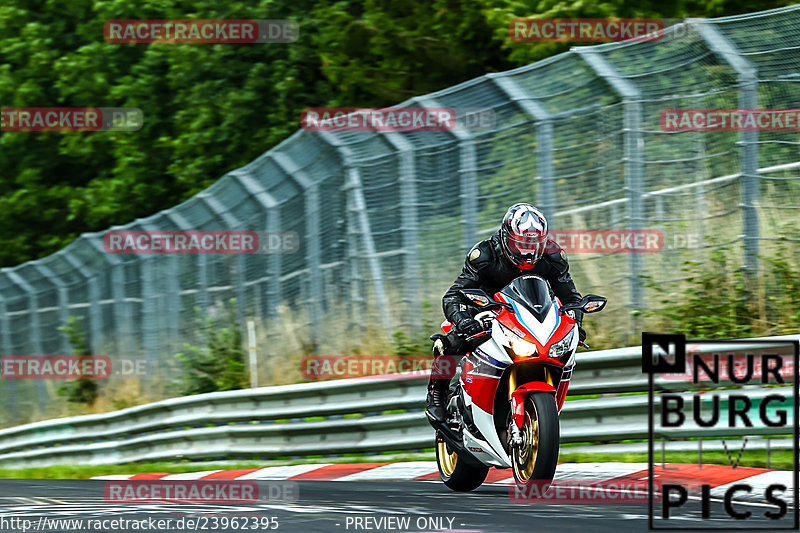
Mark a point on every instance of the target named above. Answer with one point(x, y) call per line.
point(282, 472)
point(394, 471)
point(760, 482)
point(188, 475)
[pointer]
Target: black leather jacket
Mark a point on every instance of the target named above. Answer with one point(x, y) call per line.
point(487, 268)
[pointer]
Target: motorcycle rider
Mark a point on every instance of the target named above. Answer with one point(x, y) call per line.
point(520, 247)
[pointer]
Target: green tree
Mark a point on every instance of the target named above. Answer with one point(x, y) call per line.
point(209, 109)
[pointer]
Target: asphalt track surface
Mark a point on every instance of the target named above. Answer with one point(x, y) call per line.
point(333, 506)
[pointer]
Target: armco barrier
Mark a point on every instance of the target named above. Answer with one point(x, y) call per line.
point(365, 415)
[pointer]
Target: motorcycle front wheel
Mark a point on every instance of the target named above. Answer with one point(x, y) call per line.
point(455, 473)
point(535, 460)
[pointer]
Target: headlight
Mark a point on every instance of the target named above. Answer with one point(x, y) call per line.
point(562, 346)
point(522, 348)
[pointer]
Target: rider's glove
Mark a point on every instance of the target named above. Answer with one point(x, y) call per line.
point(466, 324)
point(577, 315)
point(579, 320)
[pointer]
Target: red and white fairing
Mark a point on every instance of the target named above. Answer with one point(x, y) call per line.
point(484, 368)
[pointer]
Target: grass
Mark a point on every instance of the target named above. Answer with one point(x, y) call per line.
point(582, 397)
point(86, 471)
point(779, 460)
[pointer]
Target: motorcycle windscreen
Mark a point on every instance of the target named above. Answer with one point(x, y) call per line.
point(533, 292)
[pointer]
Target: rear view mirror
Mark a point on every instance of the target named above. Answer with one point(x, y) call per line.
point(477, 297)
point(480, 298)
point(591, 303)
point(596, 303)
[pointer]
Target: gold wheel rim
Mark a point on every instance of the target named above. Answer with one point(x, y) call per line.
point(525, 455)
point(447, 460)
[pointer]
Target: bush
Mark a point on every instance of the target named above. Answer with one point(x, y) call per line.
point(219, 364)
point(82, 390)
point(720, 302)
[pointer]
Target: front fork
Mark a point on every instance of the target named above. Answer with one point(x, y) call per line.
point(517, 395)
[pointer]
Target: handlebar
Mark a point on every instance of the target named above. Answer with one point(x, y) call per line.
point(494, 306)
point(478, 335)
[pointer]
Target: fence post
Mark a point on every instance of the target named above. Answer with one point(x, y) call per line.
point(171, 323)
point(633, 155)
point(358, 203)
point(748, 163)
point(202, 262)
point(274, 265)
point(238, 277)
point(121, 317)
point(63, 299)
point(468, 178)
point(93, 331)
point(35, 330)
point(360, 208)
point(5, 345)
point(202, 278)
point(122, 313)
point(273, 291)
point(5, 329)
point(202, 282)
point(544, 145)
point(270, 205)
point(149, 338)
point(95, 313)
point(315, 298)
point(174, 301)
point(356, 281)
point(410, 227)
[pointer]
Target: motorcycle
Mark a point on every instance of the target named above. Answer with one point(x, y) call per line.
point(507, 392)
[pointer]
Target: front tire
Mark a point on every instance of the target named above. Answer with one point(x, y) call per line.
point(536, 459)
point(455, 473)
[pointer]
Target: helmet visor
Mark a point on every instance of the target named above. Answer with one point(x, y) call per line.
point(529, 243)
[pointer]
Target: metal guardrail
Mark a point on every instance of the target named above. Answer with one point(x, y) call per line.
point(365, 415)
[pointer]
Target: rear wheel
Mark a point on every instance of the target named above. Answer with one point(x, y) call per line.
point(455, 473)
point(537, 457)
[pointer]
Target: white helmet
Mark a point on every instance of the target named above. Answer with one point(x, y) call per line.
point(523, 235)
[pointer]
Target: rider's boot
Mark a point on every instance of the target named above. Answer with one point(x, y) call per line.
point(437, 396)
point(441, 372)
